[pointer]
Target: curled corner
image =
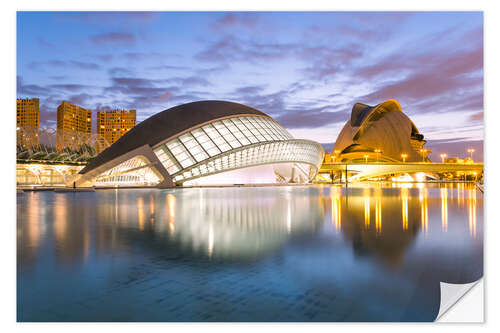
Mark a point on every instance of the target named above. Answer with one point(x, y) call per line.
point(451, 293)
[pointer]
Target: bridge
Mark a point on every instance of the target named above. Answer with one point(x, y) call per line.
point(364, 171)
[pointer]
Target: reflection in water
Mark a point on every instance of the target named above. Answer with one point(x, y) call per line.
point(472, 212)
point(404, 207)
point(151, 209)
point(387, 242)
point(60, 217)
point(378, 209)
point(225, 252)
point(34, 229)
point(366, 198)
point(140, 214)
point(335, 196)
point(115, 219)
point(239, 223)
point(171, 212)
point(392, 240)
point(444, 209)
point(424, 210)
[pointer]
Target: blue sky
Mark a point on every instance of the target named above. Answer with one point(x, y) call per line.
point(304, 69)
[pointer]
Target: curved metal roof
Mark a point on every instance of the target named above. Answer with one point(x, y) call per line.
point(168, 123)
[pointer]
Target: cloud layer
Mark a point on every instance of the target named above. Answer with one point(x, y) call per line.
point(304, 69)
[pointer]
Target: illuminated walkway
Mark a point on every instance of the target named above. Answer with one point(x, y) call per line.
point(372, 170)
point(40, 174)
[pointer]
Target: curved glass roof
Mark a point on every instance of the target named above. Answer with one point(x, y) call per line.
point(169, 123)
point(233, 143)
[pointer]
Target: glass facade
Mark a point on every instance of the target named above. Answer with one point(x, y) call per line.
point(133, 172)
point(233, 143)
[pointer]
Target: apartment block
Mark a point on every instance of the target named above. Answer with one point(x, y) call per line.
point(27, 116)
point(71, 117)
point(113, 124)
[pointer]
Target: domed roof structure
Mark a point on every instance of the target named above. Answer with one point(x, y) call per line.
point(382, 132)
point(199, 140)
point(168, 123)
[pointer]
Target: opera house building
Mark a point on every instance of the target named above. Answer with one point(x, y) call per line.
point(201, 143)
point(379, 133)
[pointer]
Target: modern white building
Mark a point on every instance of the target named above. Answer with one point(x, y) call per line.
point(201, 143)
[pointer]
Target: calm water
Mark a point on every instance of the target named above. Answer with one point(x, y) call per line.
point(312, 253)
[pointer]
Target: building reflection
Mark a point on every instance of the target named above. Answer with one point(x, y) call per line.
point(233, 224)
point(404, 207)
point(170, 217)
point(407, 211)
point(366, 199)
point(140, 213)
point(50, 222)
point(472, 212)
point(444, 209)
point(151, 209)
point(336, 197)
point(378, 210)
point(238, 223)
point(396, 225)
point(424, 210)
point(29, 229)
point(72, 240)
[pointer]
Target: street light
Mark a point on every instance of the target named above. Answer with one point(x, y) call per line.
point(443, 156)
point(377, 151)
point(336, 152)
point(404, 156)
point(470, 151)
point(366, 158)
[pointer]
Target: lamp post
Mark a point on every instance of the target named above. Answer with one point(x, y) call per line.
point(404, 156)
point(366, 158)
point(336, 152)
point(377, 151)
point(443, 156)
point(470, 151)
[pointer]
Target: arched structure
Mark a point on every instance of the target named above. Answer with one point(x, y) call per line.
point(48, 144)
point(31, 174)
point(380, 133)
point(206, 142)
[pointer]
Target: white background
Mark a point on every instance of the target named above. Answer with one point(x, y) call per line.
point(492, 152)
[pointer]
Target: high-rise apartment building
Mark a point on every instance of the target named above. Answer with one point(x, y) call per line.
point(27, 115)
point(72, 117)
point(113, 124)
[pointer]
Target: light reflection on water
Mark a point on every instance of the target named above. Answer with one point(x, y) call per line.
point(312, 253)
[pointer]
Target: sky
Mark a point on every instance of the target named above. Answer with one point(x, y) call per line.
point(305, 69)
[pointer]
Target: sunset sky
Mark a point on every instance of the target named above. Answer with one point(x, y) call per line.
point(304, 69)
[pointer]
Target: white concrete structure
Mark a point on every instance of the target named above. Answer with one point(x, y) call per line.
point(190, 143)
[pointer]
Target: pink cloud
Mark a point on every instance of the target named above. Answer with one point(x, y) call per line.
point(165, 96)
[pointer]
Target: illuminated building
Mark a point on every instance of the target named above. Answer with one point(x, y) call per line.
point(72, 118)
point(27, 116)
point(380, 133)
point(206, 142)
point(113, 124)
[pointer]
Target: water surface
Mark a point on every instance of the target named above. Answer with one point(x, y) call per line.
point(298, 253)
